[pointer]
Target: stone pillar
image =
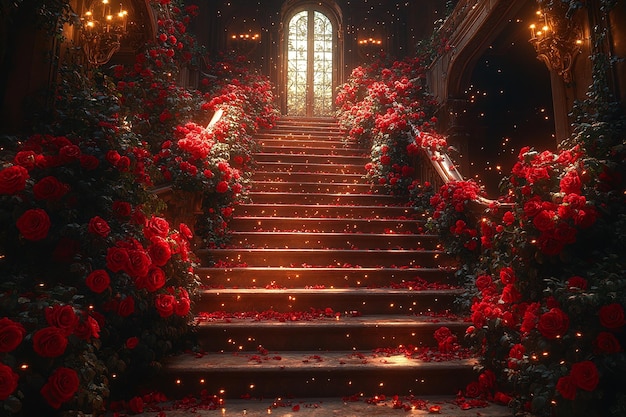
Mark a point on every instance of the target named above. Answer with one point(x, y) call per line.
point(454, 126)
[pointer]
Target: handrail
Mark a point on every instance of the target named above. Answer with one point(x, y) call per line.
point(447, 171)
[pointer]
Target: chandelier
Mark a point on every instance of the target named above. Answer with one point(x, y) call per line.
point(103, 28)
point(557, 40)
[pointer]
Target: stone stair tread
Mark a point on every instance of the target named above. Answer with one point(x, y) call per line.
point(343, 321)
point(334, 406)
point(300, 361)
point(350, 291)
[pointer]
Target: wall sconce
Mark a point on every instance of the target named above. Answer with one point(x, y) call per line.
point(557, 40)
point(102, 30)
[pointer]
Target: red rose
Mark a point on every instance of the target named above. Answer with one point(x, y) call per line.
point(510, 294)
point(222, 187)
point(98, 226)
point(577, 283)
point(25, 159)
point(606, 343)
point(565, 233)
point(50, 188)
point(487, 380)
point(507, 275)
point(473, 390)
point(182, 307)
point(87, 328)
point(123, 164)
point(63, 317)
point(117, 259)
point(8, 381)
point(483, 281)
point(113, 157)
point(136, 405)
point(50, 342)
point(89, 162)
point(516, 354)
point(156, 226)
point(553, 324)
point(612, 316)
point(155, 279)
point(502, 398)
point(532, 207)
point(34, 224)
point(132, 342)
point(566, 387)
point(126, 307)
point(69, 152)
point(98, 281)
point(122, 208)
point(11, 334)
point(13, 179)
point(165, 304)
point(571, 183)
point(138, 263)
point(585, 375)
point(544, 221)
point(160, 251)
point(549, 245)
point(60, 387)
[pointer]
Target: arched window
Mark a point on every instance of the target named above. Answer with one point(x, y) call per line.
point(310, 51)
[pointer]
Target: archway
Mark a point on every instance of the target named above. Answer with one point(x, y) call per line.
point(311, 58)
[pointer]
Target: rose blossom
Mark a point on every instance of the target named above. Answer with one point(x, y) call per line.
point(8, 381)
point(99, 227)
point(117, 258)
point(60, 387)
point(49, 188)
point(165, 304)
point(11, 334)
point(49, 342)
point(585, 375)
point(98, 281)
point(155, 279)
point(132, 342)
point(156, 226)
point(138, 263)
point(34, 224)
point(222, 187)
point(87, 328)
point(612, 316)
point(566, 387)
point(576, 283)
point(606, 343)
point(553, 324)
point(13, 179)
point(63, 317)
point(182, 307)
point(160, 251)
point(126, 307)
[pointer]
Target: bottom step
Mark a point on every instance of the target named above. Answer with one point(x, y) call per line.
point(315, 374)
point(447, 406)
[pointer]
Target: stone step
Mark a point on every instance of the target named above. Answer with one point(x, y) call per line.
point(326, 210)
point(313, 374)
point(333, 240)
point(331, 258)
point(295, 148)
point(339, 160)
point(323, 199)
point(233, 333)
point(321, 137)
point(314, 187)
point(318, 168)
point(262, 277)
point(353, 406)
point(306, 142)
point(329, 224)
point(309, 177)
point(363, 301)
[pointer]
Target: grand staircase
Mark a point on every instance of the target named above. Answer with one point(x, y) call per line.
point(329, 288)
